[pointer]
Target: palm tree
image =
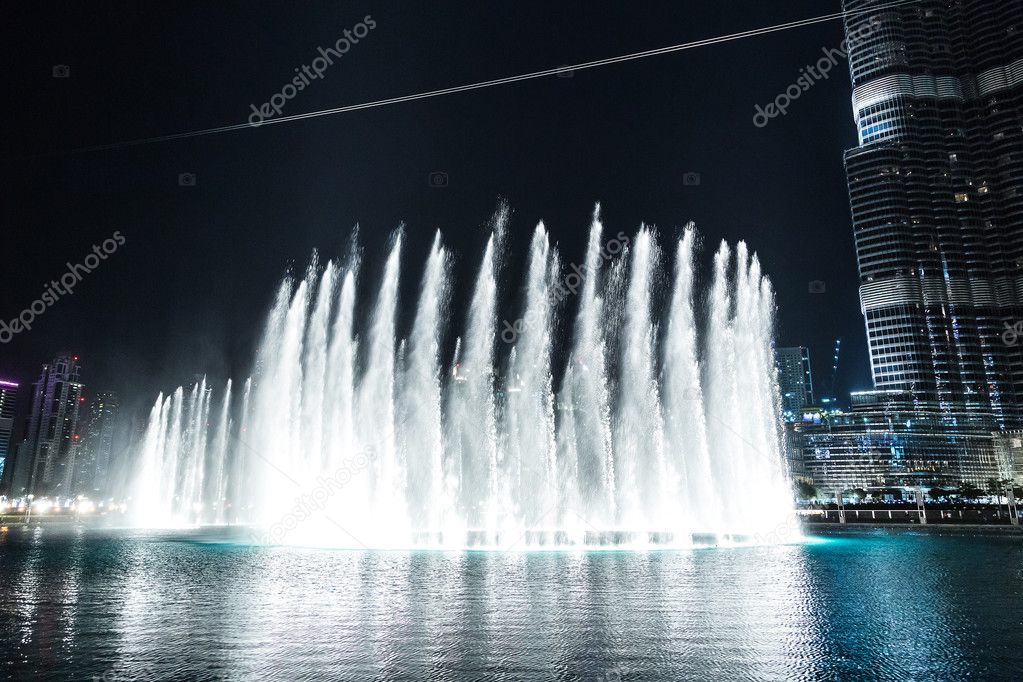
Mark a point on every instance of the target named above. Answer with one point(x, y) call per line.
point(968, 491)
point(856, 494)
point(806, 491)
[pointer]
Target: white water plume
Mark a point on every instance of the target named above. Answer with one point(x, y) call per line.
point(661, 429)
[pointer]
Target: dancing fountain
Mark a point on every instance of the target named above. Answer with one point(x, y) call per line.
point(347, 435)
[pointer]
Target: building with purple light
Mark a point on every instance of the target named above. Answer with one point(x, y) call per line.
point(45, 463)
point(8, 397)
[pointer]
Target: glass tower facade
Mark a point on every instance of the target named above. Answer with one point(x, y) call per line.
point(936, 192)
point(795, 381)
point(45, 463)
point(93, 460)
point(8, 396)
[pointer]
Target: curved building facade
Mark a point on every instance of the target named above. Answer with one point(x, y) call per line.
point(936, 192)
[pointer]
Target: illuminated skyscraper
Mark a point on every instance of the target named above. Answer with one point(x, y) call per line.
point(93, 461)
point(8, 396)
point(936, 191)
point(46, 460)
point(795, 381)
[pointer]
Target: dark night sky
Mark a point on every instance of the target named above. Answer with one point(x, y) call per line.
point(187, 292)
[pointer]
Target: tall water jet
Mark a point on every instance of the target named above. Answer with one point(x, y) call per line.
point(586, 398)
point(218, 482)
point(240, 465)
point(342, 350)
point(173, 507)
point(473, 419)
point(314, 364)
point(193, 465)
point(529, 388)
point(376, 399)
point(765, 462)
point(147, 505)
point(685, 424)
point(638, 429)
point(744, 330)
point(721, 405)
point(281, 431)
point(430, 504)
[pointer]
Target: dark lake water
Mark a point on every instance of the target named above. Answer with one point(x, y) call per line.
point(865, 605)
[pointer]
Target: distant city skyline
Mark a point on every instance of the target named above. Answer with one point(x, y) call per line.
point(66, 442)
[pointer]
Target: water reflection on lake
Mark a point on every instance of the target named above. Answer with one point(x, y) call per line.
point(866, 605)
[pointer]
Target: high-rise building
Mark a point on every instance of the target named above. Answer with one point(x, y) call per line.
point(796, 385)
point(795, 381)
point(45, 464)
point(97, 444)
point(936, 191)
point(8, 396)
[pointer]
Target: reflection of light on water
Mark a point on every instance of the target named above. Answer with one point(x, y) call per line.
point(142, 593)
point(69, 589)
point(27, 588)
point(899, 605)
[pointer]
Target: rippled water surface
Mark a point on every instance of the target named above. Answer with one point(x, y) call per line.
point(863, 605)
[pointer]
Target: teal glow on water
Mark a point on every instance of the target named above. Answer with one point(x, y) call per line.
point(864, 605)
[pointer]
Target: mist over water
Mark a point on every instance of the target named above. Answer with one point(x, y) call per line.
point(664, 428)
